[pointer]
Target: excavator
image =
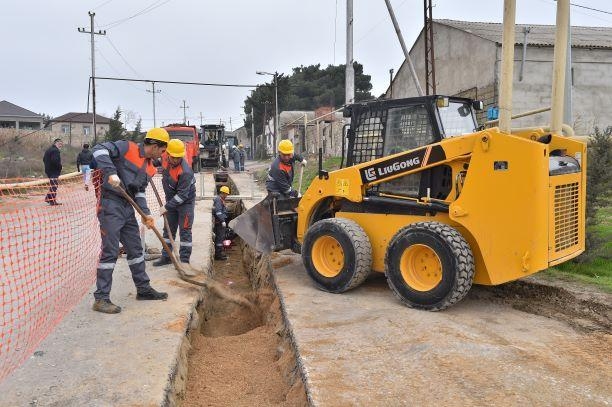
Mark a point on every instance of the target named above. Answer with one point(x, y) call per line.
point(433, 201)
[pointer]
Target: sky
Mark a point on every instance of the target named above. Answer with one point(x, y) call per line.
point(45, 63)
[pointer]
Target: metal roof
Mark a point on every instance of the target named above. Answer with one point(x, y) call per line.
point(539, 35)
point(75, 117)
point(12, 110)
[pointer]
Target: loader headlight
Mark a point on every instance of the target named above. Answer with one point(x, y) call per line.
point(442, 102)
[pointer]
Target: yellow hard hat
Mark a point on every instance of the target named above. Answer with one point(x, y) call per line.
point(240, 146)
point(224, 189)
point(158, 134)
point(285, 147)
point(176, 148)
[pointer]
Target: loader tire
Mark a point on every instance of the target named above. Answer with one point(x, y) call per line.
point(429, 266)
point(337, 254)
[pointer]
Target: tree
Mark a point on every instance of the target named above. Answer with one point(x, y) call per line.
point(307, 88)
point(599, 185)
point(46, 119)
point(135, 136)
point(115, 128)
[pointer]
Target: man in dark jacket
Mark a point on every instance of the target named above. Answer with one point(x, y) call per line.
point(280, 174)
point(53, 168)
point(220, 216)
point(242, 155)
point(84, 161)
point(128, 165)
point(179, 185)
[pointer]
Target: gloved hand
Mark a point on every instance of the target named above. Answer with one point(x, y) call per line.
point(163, 211)
point(114, 180)
point(304, 162)
point(148, 221)
point(223, 224)
point(293, 193)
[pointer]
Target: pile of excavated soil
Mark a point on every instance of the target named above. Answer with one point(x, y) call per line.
point(242, 356)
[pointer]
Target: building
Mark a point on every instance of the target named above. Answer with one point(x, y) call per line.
point(16, 117)
point(468, 63)
point(323, 130)
point(76, 128)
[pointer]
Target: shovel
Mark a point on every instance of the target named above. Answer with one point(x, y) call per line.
point(212, 285)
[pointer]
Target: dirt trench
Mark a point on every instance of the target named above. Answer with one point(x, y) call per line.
point(241, 356)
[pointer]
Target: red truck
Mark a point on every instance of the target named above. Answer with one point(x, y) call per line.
point(188, 135)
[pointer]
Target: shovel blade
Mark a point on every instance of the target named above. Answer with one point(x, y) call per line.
point(255, 227)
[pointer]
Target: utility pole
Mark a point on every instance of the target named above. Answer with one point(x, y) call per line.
point(507, 67)
point(154, 92)
point(430, 63)
point(349, 85)
point(93, 68)
point(276, 123)
point(230, 122)
point(201, 119)
point(252, 132)
point(264, 129)
point(184, 107)
point(567, 104)
point(391, 83)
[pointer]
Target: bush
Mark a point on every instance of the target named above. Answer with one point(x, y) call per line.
point(599, 182)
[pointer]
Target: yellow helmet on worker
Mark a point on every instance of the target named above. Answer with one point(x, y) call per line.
point(240, 146)
point(159, 134)
point(285, 147)
point(176, 148)
point(224, 189)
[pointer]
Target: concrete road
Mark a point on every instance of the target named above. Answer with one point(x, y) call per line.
point(363, 348)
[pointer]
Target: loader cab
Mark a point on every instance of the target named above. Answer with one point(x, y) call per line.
point(386, 127)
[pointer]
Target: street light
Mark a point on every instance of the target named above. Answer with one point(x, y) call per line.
point(275, 75)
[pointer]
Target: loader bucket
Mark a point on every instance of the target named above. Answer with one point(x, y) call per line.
point(268, 226)
point(255, 227)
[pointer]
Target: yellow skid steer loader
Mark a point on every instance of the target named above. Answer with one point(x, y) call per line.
point(434, 203)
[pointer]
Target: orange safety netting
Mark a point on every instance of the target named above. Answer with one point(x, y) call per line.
point(48, 258)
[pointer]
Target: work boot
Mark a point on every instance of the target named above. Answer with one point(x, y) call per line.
point(162, 262)
point(220, 256)
point(150, 293)
point(106, 306)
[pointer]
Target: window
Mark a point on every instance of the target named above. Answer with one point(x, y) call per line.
point(457, 119)
point(65, 128)
point(407, 128)
point(86, 130)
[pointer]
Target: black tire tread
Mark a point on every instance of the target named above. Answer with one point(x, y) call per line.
point(461, 250)
point(362, 247)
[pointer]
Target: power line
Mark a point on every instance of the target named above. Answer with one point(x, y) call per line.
point(145, 10)
point(102, 4)
point(590, 8)
point(122, 57)
point(231, 85)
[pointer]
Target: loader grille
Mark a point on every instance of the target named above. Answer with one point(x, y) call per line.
point(566, 216)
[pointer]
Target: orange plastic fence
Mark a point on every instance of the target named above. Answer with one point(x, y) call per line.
point(48, 258)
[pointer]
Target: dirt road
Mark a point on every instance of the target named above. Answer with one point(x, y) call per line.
point(512, 345)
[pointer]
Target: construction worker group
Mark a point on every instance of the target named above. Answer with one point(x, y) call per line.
point(126, 169)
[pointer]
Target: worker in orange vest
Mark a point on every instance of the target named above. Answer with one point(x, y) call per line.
point(128, 165)
point(179, 185)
